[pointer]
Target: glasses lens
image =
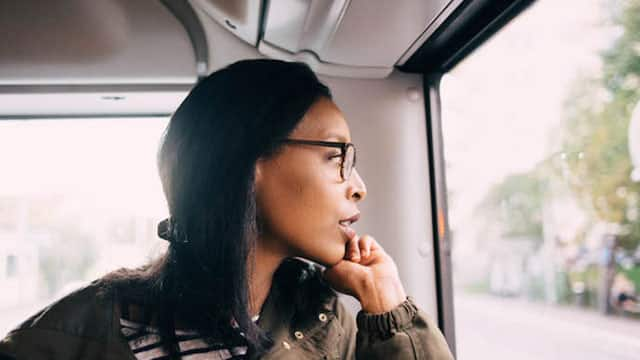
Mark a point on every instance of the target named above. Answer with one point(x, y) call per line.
point(349, 162)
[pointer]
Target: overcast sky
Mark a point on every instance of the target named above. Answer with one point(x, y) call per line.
point(109, 164)
point(502, 106)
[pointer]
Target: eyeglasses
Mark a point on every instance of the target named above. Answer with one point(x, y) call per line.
point(347, 155)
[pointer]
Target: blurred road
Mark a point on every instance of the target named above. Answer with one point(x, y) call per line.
point(497, 328)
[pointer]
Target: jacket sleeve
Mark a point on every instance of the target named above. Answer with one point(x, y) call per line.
point(45, 344)
point(35, 344)
point(405, 332)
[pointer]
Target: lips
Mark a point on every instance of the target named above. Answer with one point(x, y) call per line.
point(345, 225)
point(349, 221)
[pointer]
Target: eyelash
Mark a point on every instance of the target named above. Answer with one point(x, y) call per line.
point(333, 156)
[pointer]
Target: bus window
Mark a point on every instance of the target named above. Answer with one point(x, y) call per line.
point(544, 209)
point(78, 198)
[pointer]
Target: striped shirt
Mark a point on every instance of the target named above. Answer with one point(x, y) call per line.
point(146, 344)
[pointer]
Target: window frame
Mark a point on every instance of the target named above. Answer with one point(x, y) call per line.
point(471, 24)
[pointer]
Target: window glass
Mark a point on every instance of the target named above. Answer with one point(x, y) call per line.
point(544, 194)
point(78, 198)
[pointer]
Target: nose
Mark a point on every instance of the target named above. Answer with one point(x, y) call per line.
point(357, 189)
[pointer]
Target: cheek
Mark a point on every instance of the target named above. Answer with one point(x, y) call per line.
point(300, 213)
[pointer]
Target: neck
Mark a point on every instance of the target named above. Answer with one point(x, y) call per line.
point(261, 267)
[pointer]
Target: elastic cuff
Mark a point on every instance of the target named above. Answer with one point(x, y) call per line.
point(386, 324)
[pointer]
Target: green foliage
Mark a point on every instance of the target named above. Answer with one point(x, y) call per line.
point(563, 287)
point(515, 205)
point(68, 255)
point(479, 287)
point(590, 277)
point(535, 289)
point(595, 141)
point(632, 274)
point(66, 261)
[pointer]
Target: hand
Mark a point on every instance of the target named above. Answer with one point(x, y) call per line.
point(369, 274)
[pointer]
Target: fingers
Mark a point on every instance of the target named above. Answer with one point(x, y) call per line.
point(353, 249)
point(365, 244)
point(360, 248)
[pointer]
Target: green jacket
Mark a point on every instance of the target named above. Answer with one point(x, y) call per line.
point(303, 323)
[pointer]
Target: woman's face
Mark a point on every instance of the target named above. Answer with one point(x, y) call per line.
point(301, 196)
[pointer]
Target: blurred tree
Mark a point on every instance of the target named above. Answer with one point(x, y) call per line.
point(70, 250)
point(68, 258)
point(515, 205)
point(595, 155)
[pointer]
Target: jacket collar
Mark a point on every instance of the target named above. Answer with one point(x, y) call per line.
point(288, 307)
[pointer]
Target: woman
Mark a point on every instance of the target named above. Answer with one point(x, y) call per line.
point(258, 171)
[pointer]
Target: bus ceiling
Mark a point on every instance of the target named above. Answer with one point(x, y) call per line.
point(118, 50)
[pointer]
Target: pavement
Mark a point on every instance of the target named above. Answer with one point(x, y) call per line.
point(490, 327)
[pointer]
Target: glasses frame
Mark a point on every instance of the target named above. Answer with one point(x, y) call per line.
point(343, 146)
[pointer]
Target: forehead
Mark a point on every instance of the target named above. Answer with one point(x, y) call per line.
point(323, 121)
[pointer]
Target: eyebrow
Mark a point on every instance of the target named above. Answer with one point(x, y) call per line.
point(337, 136)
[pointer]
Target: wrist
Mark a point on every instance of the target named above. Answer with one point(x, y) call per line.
point(382, 296)
point(383, 326)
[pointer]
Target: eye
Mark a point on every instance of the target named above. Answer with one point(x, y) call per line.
point(334, 155)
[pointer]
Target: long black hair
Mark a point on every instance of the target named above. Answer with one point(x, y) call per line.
point(206, 162)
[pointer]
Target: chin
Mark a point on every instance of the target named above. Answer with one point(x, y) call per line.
point(330, 259)
point(328, 254)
